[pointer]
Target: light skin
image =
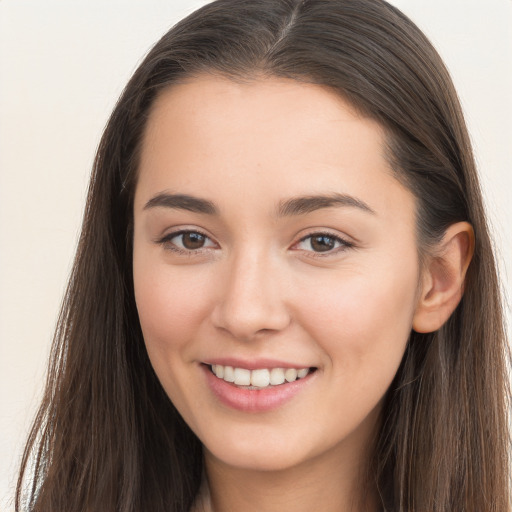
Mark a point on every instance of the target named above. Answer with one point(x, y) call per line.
point(331, 283)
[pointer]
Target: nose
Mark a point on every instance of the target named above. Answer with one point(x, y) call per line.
point(252, 301)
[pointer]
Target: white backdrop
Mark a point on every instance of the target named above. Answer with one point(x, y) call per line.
point(63, 64)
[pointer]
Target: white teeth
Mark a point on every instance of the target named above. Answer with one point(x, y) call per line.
point(290, 374)
point(229, 374)
point(260, 378)
point(302, 373)
point(276, 376)
point(218, 370)
point(242, 377)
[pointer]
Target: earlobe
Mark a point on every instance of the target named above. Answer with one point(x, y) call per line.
point(443, 278)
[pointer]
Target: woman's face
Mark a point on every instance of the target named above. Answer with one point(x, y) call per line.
point(272, 243)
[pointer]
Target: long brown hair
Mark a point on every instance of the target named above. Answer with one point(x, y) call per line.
point(107, 438)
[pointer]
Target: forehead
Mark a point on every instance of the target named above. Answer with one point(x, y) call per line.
point(215, 107)
point(265, 138)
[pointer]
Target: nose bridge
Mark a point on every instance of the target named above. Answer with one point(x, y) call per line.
point(252, 300)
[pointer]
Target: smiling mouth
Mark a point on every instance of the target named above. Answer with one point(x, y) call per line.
point(259, 378)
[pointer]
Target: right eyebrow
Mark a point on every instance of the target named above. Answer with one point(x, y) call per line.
point(182, 202)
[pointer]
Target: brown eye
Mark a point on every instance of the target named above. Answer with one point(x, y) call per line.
point(193, 240)
point(187, 241)
point(322, 243)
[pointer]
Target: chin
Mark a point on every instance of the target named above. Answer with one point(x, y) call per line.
point(264, 448)
point(258, 460)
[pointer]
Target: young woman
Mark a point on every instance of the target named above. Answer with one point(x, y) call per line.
point(284, 296)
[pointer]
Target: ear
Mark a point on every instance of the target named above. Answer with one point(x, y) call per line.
point(442, 283)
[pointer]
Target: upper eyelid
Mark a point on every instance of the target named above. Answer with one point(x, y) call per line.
point(323, 233)
point(327, 232)
point(180, 231)
point(344, 242)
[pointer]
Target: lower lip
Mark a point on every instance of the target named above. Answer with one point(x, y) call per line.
point(255, 400)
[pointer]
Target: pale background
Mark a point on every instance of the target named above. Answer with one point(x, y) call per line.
point(63, 64)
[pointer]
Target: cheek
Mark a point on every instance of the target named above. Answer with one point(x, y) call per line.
point(172, 307)
point(363, 320)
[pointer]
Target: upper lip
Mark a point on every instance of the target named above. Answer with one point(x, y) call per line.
point(254, 364)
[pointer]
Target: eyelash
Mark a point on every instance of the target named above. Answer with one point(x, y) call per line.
point(168, 245)
point(343, 244)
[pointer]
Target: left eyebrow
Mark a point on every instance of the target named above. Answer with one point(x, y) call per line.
point(308, 204)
